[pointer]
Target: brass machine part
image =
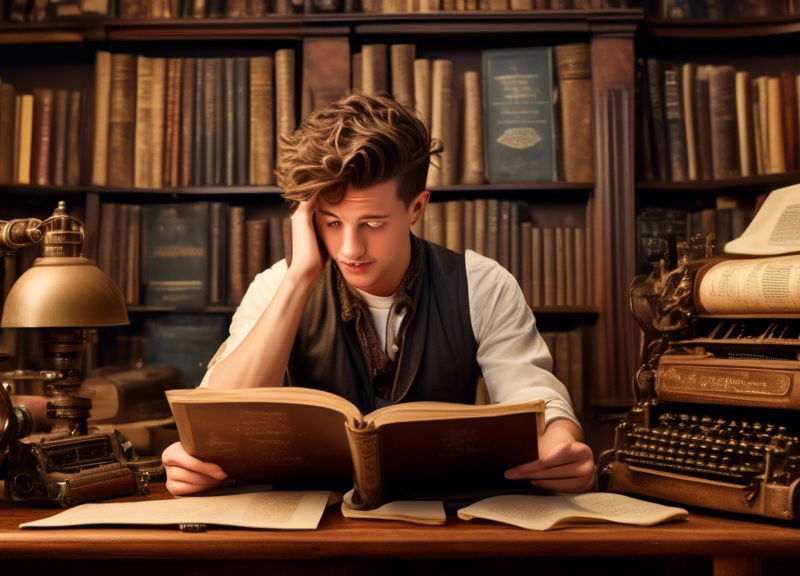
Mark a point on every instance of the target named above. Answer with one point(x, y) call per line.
point(16, 234)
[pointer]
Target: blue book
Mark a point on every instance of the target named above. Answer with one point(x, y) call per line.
point(177, 254)
point(518, 102)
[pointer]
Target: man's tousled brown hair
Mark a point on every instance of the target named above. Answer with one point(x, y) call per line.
point(361, 141)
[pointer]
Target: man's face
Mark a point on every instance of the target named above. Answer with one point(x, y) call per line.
point(367, 234)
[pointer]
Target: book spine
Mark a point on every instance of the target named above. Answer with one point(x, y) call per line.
point(73, 168)
point(561, 267)
point(209, 120)
point(705, 155)
point(422, 89)
point(724, 136)
point(284, 97)
point(218, 256)
point(402, 68)
point(262, 112)
point(474, 157)
point(17, 134)
point(25, 139)
point(744, 123)
point(157, 125)
point(133, 255)
point(277, 250)
point(199, 140)
point(241, 132)
point(105, 245)
point(493, 229)
point(60, 116)
point(187, 113)
point(481, 211)
point(789, 101)
point(219, 121)
point(775, 129)
point(229, 149)
point(515, 238)
point(375, 71)
point(657, 114)
point(527, 261)
point(575, 90)
point(172, 123)
point(121, 120)
point(257, 252)
point(357, 72)
point(237, 266)
point(144, 121)
point(676, 136)
point(43, 103)
point(549, 266)
point(580, 268)
point(366, 467)
point(469, 225)
point(8, 106)
point(435, 223)
point(504, 235)
point(442, 172)
point(454, 226)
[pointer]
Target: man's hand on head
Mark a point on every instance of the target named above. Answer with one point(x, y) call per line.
point(307, 254)
point(565, 463)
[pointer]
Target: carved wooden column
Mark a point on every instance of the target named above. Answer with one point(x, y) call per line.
point(611, 212)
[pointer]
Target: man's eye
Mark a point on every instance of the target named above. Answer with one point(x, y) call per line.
point(373, 224)
point(333, 224)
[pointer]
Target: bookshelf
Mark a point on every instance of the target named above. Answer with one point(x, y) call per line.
point(604, 207)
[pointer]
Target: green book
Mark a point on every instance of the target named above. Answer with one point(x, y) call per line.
point(518, 102)
point(177, 254)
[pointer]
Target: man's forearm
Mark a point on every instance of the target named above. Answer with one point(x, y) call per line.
point(260, 360)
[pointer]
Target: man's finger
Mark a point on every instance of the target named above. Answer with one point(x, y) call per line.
point(562, 454)
point(580, 469)
point(179, 474)
point(183, 489)
point(176, 455)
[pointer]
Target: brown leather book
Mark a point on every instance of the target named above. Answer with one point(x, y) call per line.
point(537, 267)
point(761, 123)
point(493, 229)
point(469, 225)
point(789, 101)
point(237, 255)
point(561, 267)
point(157, 127)
point(549, 266)
point(422, 89)
point(211, 71)
point(527, 262)
point(724, 132)
point(229, 150)
point(744, 123)
point(481, 212)
point(338, 444)
point(435, 223)
point(218, 253)
point(374, 62)
point(521, 4)
point(102, 101)
point(121, 120)
point(133, 255)
point(581, 272)
point(262, 113)
point(454, 226)
point(688, 76)
point(8, 105)
point(257, 252)
point(702, 113)
point(59, 142)
point(188, 94)
point(172, 122)
point(143, 150)
point(775, 128)
point(17, 130)
point(25, 139)
point(43, 103)
point(676, 124)
point(73, 171)
point(443, 170)
point(402, 67)
point(277, 251)
point(326, 72)
point(569, 267)
point(474, 155)
point(257, 8)
point(241, 86)
point(284, 97)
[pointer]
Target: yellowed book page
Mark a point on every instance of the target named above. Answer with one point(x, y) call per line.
point(762, 285)
point(775, 229)
point(430, 512)
point(547, 512)
point(251, 507)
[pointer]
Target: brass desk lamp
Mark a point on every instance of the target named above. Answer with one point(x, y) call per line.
point(63, 293)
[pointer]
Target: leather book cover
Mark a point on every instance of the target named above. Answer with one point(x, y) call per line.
point(25, 139)
point(374, 62)
point(43, 104)
point(504, 235)
point(519, 131)
point(229, 150)
point(469, 225)
point(133, 255)
point(656, 93)
point(172, 122)
point(526, 252)
point(574, 68)
point(744, 123)
point(219, 120)
point(8, 105)
point(121, 120)
point(474, 155)
point(537, 267)
point(186, 138)
point(789, 102)
point(218, 253)
point(443, 167)
point(257, 252)
point(237, 255)
point(242, 121)
point(402, 67)
point(157, 124)
point(326, 72)
point(454, 226)
point(676, 126)
point(493, 229)
point(515, 237)
point(277, 250)
point(702, 112)
point(210, 96)
point(73, 169)
point(561, 267)
point(285, 111)
point(59, 141)
point(262, 114)
point(435, 223)
point(724, 132)
point(422, 89)
point(481, 215)
point(549, 266)
point(143, 149)
point(199, 108)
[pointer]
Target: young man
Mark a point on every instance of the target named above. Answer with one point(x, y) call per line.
point(370, 312)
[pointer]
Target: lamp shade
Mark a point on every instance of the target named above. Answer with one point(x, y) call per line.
point(64, 292)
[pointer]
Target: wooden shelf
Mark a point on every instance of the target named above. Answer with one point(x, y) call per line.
point(722, 28)
point(216, 309)
point(615, 20)
point(761, 181)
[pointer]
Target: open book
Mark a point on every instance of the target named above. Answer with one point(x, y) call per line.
point(561, 510)
point(775, 229)
point(303, 438)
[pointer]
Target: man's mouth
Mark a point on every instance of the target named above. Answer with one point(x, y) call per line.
point(356, 266)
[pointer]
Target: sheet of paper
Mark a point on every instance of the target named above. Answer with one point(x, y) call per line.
point(546, 512)
point(416, 511)
point(248, 507)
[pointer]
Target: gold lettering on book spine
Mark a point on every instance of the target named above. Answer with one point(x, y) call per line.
point(726, 380)
point(366, 467)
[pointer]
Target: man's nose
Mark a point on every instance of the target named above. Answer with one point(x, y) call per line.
point(352, 244)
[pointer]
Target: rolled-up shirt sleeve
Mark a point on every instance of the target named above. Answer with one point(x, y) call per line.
point(512, 355)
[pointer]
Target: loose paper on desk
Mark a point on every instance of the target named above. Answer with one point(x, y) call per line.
point(775, 229)
point(248, 507)
point(561, 510)
point(429, 512)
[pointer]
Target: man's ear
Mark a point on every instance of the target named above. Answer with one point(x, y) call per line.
point(418, 205)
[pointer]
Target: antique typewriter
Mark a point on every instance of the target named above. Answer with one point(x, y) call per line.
point(718, 392)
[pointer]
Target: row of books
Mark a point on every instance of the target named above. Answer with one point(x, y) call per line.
point(718, 9)
point(550, 264)
point(566, 349)
point(22, 11)
point(187, 255)
point(715, 122)
point(727, 221)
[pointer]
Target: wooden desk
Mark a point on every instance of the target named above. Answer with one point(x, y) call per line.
point(735, 545)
